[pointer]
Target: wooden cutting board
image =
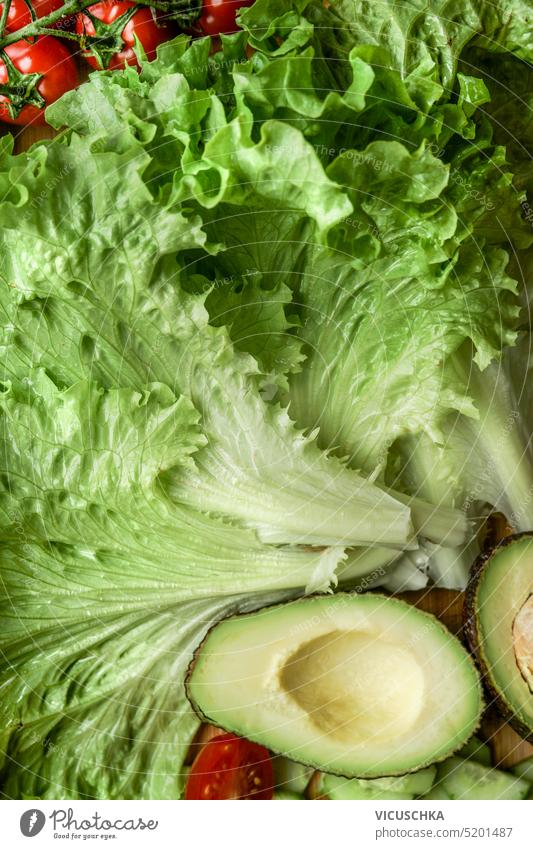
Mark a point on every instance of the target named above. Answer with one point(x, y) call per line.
point(507, 747)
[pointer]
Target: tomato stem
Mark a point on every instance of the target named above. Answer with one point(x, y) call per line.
point(37, 26)
point(51, 31)
point(182, 11)
point(20, 89)
point(106, 40)
point(5, 12)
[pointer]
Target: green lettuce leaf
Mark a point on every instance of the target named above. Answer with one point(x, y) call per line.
point(383, 312)
point(107, 588)
point(259, 322)
point(424, 38)
point(93, 702)
point(482, 462)
point(159, 271)
point(117, 315)
point(486, 459)
point(84, 463)
point(510, 111)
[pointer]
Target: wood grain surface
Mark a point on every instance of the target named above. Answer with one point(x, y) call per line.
point(507, 747)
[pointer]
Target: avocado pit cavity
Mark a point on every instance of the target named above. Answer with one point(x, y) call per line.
point(523, 641)
point(355, 685)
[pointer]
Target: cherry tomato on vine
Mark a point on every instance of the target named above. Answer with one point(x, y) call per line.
point(116, 42)
point(230, 767)
point(218, 16)
point(37, 73)
point(19, 14)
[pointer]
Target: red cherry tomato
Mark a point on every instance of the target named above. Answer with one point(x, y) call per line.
point(45, 56)
point(230, 767)
point(218, 16)
point(142, 25)
point(19, 14)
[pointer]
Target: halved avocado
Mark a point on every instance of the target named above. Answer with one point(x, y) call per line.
point(499, 626)
point(357, 685)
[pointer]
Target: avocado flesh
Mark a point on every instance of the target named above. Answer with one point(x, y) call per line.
point(502, 607)
point(523, 641)
point(358, 685)
point(385, 693)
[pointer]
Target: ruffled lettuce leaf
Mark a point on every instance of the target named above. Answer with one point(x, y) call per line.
point(510, 113)
point(88, 464)
point(104, 287)
point(424, 39)
point(383, 312)
point(485, 459)
point(510, 110)
point(259, 321)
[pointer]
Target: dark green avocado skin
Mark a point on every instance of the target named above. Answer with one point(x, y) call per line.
point(471, 633)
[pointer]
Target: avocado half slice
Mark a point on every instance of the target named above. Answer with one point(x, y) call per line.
point(357, 685)
point(499, 626)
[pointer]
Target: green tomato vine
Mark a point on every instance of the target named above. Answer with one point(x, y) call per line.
point(183, 12)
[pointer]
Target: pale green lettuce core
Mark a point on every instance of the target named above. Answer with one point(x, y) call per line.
point(163, 326)
point(481, 460)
